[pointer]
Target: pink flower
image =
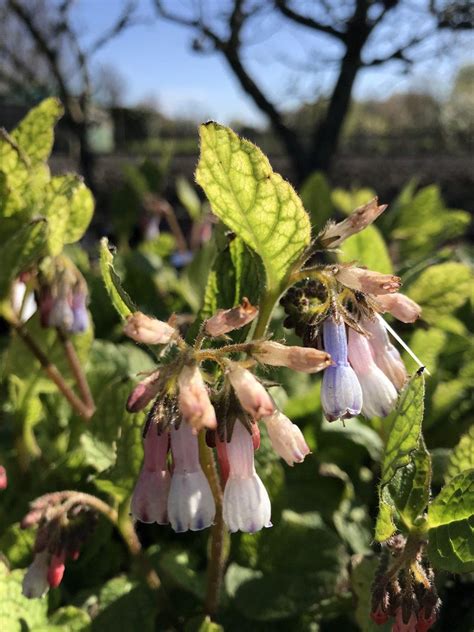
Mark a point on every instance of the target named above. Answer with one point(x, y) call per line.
point(334, 234)
point(286, 438)
point(3, 478)
point(56, 569)
point(143, 393)
point(368, 281)
point(386, 356)
point(226, 320)
point(194, 401)
point(400, 306)
point(35, 581)
point(305, 359)
point(190, 501)
point(150, 331)
point(400, 625)
point(379, 395)
point(246, 503)
point(150, 496)
point(250, 392)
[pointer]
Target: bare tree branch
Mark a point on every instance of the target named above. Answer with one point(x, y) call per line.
point(308, 21)
point(126, 19)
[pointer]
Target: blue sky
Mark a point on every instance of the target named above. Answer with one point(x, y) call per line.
point(156, 62)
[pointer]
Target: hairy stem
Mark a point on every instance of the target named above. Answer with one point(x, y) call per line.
point(267, 304)
point(52, 372)
point(218, 538)
point(77, 370)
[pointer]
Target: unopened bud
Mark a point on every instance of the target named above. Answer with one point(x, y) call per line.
point(400, 306)
point(250, 392)
point(305, 359)
point(194, 401)
point(286, 438)
point(150, 331)
point(3, 478)
point(226, 320)
point(143, 393)
point(368, 281)
point(35, 581)
point(333, 235)
point(56, 569)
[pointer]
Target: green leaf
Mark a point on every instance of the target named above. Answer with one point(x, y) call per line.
point(427, 344)
point(120, 299)
point(369, 249)
point(451, 525)
point(462, 457)
point(67, 619)
point(405, 429)
point(35, 133)
point(202, 623)
point(384, 526)
point(18, 613)
point(441, 289)
point(176, 566)
point(21, 250)
point(252, 200)
point(16, 544)
point(188, 197)
point(316, 196)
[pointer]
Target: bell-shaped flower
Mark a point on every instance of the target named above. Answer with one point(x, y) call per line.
point(226, 320)
point(35, 581)
point(286, 438)
point(386, 356)
point(80, 314)
point(305, 359)
point(150, 331)
point(61, 314)
point(341, 394)
point(23, 303)
point(250, 392)
point(378, 393)
point(246, 502)
point(193, 399)
point(367, 281)
point(400, 306)
point(56, 569)
point(143, 393)
point(190, 501)
point(333, 234)
point(150, 496)
point(407, 623)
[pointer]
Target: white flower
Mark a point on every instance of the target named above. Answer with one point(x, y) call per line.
point(246, 502)
point(190, 501)
point(35, 581)
point(286, 438)
point(194, 401)
point(386, 356)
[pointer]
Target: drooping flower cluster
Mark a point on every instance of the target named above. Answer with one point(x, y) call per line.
point(338, 308)
point(64, 522)
point(172, 487)
point(407, 596)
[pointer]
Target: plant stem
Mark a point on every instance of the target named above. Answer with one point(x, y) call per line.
point(267, 304)
point(52, 371)
point(218, 549)
point(77, 370)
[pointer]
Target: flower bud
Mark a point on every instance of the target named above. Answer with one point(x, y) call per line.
point(150, 496)
point(400, 306)
point(3, 478)
point(341, 394)
point(250, 392)
point(56, 569)
point(286, 438)
point(23, 304)
point(368, 281)
point(45, 302)
point(386, 356)
point(404, 626)
point(305, 359)
point(35, 581)
point(379, 616)
point(334, 234)
point(143, 393)
point(190, 501)
point(226, 320)
point(194, 401)
point(246, 505)
point(61, 314)
point(80, 314)
point(150, 331)
point(379, 395)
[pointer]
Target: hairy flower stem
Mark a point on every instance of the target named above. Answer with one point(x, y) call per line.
point(77, 370)
point(218, 550)
point(53, 373)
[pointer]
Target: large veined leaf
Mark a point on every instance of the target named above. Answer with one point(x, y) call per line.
point(35, 133)
point(451, 525)
point(253, 201)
